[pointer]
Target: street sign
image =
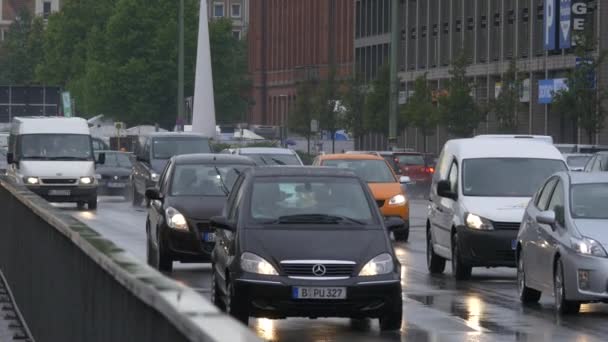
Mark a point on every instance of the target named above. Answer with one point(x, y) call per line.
point(550, 23)
point(548, 88)
point(565, 24)
point(497, 89)
point(67, 104)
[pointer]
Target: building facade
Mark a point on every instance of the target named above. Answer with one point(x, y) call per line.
point(235, 10)
point(292, 41)
point(491, 34)
point(9, 10)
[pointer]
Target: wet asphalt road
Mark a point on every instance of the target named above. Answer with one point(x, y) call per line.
point(436, 308)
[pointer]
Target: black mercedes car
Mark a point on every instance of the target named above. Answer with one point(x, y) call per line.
point(191, 189)
point(305, 242)
point(114, 175)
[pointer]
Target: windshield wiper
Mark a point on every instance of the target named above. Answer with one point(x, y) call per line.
point(279, 162)
point(34, 158)
point(224, 187)
point(68, 158)
point(263, 160)
point(317, 218)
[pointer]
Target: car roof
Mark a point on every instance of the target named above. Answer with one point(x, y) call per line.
point(202, 158)
point(175, 134)
point(502, 148)
point(586, 177)
point(265, 150)
point(50, 125)
point(344, 156)
point(298, 171)
point(579, 154)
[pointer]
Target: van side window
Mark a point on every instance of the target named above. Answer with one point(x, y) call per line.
point(453, 177)
point(442, 165)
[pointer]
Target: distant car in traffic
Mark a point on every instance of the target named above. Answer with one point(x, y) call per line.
point(385, 185)
point(577, 161)
point(99, 144)
point(154, 152)
point(305, 242)
point(268, 155)
point(478, 197)
point(115, 174)
point(193, 188)
point(561, 245)
point(414, 165)
point(597, 163)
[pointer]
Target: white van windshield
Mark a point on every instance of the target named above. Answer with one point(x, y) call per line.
point(55, 147)
point(507, 177)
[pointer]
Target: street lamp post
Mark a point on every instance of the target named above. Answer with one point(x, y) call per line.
point(285, 117)
point(180, 69)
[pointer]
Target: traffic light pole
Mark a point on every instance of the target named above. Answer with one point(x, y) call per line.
point(394, 82)
point(180, 69)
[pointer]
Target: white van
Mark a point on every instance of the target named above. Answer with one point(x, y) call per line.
point(54, 158)
point(479, 192)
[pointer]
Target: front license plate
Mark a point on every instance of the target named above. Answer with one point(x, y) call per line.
point(319, 293)
point(514, 244)
point(60, 192)
point(116, 185)
point(209, 237)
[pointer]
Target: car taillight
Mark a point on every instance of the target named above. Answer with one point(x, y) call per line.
point(430, 170)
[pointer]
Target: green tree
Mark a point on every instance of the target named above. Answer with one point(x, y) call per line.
point(330, 119)
point(507, 105)
point(353, 100)
point(420, 111)
point(583, 100)
point(306, 109)
point(458, 109)
point(375, 116)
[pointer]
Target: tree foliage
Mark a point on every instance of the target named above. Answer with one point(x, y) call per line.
point(507, 105)
point(376, 112)
point(420, 111)
point(306, 109)
point(330, 118)
point(353, 100)
point(458, 109)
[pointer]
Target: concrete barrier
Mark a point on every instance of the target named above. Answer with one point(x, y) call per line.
point(73, 285)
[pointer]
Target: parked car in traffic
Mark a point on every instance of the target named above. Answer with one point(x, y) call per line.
point(478, 197)
point(597, 163)
point(114, 175)
point(384, 184)
point(561, 245)
point(154, 152)
point(577, 161)
point(414, 165)
point(305, 242)
point(192, 189)
point(268, 155)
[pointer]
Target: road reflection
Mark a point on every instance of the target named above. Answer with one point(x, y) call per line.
point(265, 328)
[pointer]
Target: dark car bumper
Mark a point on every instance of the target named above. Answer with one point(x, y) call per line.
point(492, 248)
point(365, 298)
point(111, 187)
point(188, 246)
point(76, 194)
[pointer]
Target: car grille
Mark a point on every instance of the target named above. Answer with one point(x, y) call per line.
point(108, 177)
point(505, 255)
point(58, 181)
point(506, 225)
point(203, 227)
point(306, 270)
point(380, 203)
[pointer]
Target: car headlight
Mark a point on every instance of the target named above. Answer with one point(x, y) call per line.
point(175, 219)
point(382, 264)
point(587, 246)
point(154, 176)
point(254, 264)
point(87, 180)
point(32, 180)
point(477, 222)
point(397, 199)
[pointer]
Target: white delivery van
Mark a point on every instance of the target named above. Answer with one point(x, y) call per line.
point(53, 157)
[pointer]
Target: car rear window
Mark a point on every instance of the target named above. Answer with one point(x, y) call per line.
point(410, 159)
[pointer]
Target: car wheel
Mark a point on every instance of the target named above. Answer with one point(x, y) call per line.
point(150, 253)
point(460, 270)
point(92, 203)
point(435, 263)
point(216, 294)
point(80, 205)
point(392, 321)
point(562, 306)
point(526, 295)
point(163, 259)
point(235, 306)
point(402, 235)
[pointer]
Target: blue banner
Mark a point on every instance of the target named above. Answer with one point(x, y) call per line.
point(550, 31)
point(545, 91)
point(565, 24)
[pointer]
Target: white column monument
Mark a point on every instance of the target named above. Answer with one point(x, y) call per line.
point(203, 117)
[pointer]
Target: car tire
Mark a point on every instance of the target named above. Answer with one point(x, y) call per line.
point(562, 305)
point(80, 205)
point(402, 235)
point(236, 306)
point(526, 295)
point(163, 261)
point(460, 270)
point(92, 203)
point(391, 321)
point(435, 263)
point(216, 294)
point(150, 256)
point(135, 197)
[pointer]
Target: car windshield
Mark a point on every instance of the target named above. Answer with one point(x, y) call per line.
point(120, 160)
point(577, 161)
point(165, 148)
point(274, 159)
point(370, 170)
point(204, 180)
point(589, 201)
point(410, 159)
point(55, 147)
point(507, 177)
point(310, 200)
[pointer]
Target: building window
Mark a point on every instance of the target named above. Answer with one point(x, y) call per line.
point(46, 9)
point(218, 10)
point(236, 34)
point(236, 10)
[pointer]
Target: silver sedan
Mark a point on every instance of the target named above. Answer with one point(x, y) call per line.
point(562, 242)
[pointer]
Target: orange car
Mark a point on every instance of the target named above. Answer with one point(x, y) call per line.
point(382, 181)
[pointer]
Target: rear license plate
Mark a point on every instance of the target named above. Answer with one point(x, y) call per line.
point(116, 185)
point(514, 244)
point(319, 293)
point(209, 237)
point(60, 192)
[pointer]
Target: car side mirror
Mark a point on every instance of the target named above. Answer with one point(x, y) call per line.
point(444, 189)
point(10, 158)
point(153, 194)
point(547, 217)
point(393, 223)
point(221, 222)
point(101, 159)
point(405, 180)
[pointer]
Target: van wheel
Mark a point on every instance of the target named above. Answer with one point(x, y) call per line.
point(460, 270)
point(435, 263)
point(526, 295)
point(92, 204)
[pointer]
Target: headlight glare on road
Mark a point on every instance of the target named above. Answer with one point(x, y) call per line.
point(382, 264)
point(154, 176)
point(86, 180)
point(397, 199)
point(32, 180)
point(477, 222)
point(254, 264)
point(175, 219)
point(587, 246)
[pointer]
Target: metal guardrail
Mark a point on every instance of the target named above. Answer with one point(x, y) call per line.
point(73, 285)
